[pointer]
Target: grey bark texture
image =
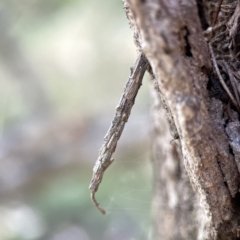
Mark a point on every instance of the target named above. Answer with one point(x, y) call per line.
point(197, 177)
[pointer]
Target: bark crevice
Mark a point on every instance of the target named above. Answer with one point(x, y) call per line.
point(188, 52)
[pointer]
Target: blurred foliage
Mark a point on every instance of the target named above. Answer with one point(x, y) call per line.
point(70, 59)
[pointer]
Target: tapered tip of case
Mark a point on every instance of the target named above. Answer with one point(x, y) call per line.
point(101, 210)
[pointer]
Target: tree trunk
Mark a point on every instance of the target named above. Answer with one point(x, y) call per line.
point(192, 46)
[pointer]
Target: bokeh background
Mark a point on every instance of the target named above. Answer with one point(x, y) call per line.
point(63, 65)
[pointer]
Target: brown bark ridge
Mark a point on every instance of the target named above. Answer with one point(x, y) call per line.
point(174, 36)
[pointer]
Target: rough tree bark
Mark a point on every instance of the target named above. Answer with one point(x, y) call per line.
point(197, 177)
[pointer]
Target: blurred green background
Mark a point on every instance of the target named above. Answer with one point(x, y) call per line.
point(63, 66)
